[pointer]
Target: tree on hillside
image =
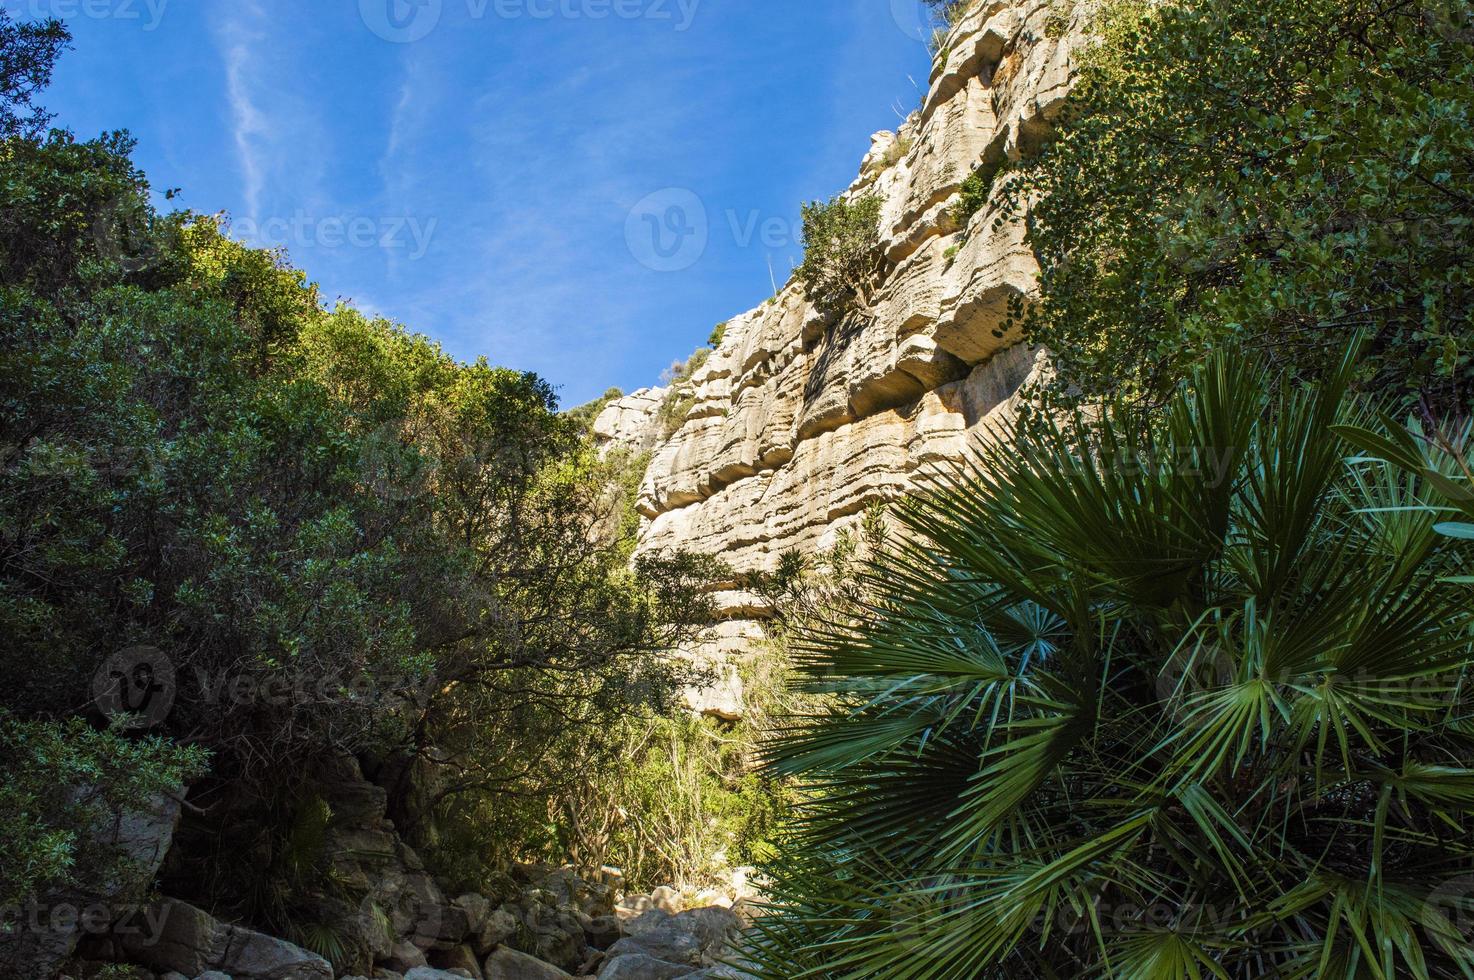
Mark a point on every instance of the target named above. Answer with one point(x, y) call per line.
point(321, 532)
point(1283, 174)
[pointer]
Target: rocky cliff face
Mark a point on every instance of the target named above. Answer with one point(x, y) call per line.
point(801, 420)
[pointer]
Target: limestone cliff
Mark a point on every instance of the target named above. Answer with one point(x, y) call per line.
point(801, 420)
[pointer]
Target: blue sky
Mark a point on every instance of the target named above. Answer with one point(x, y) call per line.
point(581, 188)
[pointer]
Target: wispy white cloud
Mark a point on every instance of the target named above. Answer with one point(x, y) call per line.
point(249, 123)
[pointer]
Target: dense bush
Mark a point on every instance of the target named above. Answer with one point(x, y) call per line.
point(63, 784)
point(334, 536)
point(1179, 700)
point(1282, 174)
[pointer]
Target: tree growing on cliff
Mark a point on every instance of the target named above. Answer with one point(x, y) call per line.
point(841, 250)
point(1180, 701)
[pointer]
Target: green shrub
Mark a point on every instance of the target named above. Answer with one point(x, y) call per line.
point(841, 250)
point(587, 413)
point(718, 334)
point(1173, 700)
point(1284, 174)
point(61, 784)
point(976, 190)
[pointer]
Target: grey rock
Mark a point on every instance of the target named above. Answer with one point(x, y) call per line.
point(639, 966)
point(461, 960)
point(604, 931)
point(56, 923)
point(509, 964)
point(430, 973)
point(695, 938)
point(498, 927)
point(477, 909)
point(190, 941)
point(667, 899)
point(662, 944)
point(404, 956)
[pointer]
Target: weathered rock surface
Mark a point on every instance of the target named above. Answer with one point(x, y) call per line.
point(631, 421)
point(36, 940)
point(801, 421)
point(508, 964)
point(179, 937)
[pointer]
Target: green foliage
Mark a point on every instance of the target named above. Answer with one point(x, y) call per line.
point(681, 372)
point(1163, 700)
point(841, 250)
point(586, 414)
point(341, 538)
point(949, 12)
point(681, 397)
point(718, 334)
point(29, 52)
point(976, 190)
point(1282, 174)
point(62, 786)
point(898, 150)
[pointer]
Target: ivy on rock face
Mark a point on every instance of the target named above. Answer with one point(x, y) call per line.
point(1285, 173)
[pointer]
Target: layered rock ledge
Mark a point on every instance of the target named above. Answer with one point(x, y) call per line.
point(801, 421)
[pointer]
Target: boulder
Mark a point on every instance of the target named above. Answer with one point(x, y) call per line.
point(662, 944)
point(603, 931)
point(429, 973)
point(476, 907)
point(462, 959)
point(497, 928)
point(177, 936)
point(639, 966)
point(667, 899)
point(695, 938)
point(509, 964)
point(46, 932)
point(404, 956)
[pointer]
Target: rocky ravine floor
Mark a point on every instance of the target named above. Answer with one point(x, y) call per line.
point(575, 928)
